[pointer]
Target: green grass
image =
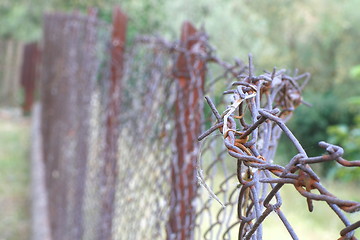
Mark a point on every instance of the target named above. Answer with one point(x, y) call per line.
point(14, 179)
point(322, 223)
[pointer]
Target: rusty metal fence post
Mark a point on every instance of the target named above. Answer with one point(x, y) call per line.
point(29, 69)
point(109, 168)
point(189, 73)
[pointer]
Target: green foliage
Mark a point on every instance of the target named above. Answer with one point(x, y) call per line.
point(348, 136)
point(355, 72)
point(16, 20)
point(334, 117)
point(310, 123)
point(14, 179)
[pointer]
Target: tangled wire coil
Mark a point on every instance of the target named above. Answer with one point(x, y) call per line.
point(268, 101)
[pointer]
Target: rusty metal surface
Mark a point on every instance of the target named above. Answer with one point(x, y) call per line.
point(29, 74)
point(110, 166)
point(190, 75)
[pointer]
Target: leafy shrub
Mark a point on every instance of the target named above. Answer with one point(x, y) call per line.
point(349, 138)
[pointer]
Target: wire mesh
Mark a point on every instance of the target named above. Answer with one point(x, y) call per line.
point(146, 144)
point(164, 183)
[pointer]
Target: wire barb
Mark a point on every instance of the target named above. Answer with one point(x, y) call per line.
point(271, 99)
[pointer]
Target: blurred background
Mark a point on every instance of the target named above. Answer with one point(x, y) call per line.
point(320, 37)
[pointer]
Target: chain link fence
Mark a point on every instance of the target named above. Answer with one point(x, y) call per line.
point(120, 138)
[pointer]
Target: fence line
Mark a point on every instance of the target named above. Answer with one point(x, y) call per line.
point(10, 66)
point(29, 74)
point(119, 134)
point(19, 69)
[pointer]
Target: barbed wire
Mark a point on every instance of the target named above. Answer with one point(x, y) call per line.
point(263, 104)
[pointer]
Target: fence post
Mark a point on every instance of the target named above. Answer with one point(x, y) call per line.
point(10, 78)
point(29, 70)
point(190, 73)
point(109, 172)
point(6, 78)
point(69, 70)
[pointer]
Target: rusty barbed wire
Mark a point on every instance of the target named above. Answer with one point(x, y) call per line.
point(264, 103)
